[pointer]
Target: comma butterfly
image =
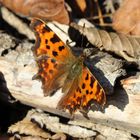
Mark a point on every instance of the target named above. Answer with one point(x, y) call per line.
point(59, 68)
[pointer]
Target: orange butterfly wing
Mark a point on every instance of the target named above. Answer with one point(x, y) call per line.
point(52, 74)
point(48, 43)
point(53, 57)
point(84, 90)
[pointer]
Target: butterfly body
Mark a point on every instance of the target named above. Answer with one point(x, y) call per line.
point(59, 68)
point(76, 68)
point(75, 71)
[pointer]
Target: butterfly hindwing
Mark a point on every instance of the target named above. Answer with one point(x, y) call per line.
point(85, 90)
point(51, 73)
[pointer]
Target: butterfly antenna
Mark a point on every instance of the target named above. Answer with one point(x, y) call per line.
point(83, 36)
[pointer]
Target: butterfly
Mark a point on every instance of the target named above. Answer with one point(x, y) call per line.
point(59, 68)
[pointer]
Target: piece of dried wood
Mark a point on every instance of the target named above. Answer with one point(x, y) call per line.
point(17, 23)
point(104, 131)
point(53, 124)
point(7, 42)
point(132, 82)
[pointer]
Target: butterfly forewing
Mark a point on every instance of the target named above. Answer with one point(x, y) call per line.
point(48, 43)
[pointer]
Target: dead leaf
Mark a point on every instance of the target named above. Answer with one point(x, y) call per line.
point(125, 46)
point(82, 5)
point(59, 136)
point(44, 9)
point(81, 8)
point(26, 127)
point(127, 19)
point(26, 138)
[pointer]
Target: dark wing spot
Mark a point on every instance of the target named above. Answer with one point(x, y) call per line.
point(87, 76)
point(54, 39)
point(83, 86)
point(53, 61)
point(45, 29)
point(91, 92)
point(61, 48)
point(87, 91)
point(47, 46)
point(51, 71)
point(46, 41)
point(91, 82)
point(54, 53)
point(78, 89)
